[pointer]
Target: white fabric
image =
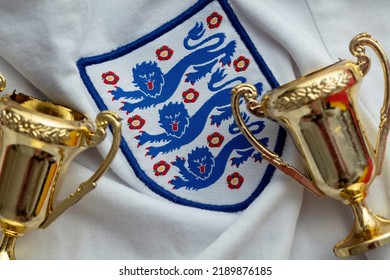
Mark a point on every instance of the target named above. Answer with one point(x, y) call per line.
point(41, 41)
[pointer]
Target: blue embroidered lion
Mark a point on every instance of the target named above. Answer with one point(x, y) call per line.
point(174, 119)
point(204, 169)
point(155, 87)
point(180, 128)
point(225, 109)
point(149, 78)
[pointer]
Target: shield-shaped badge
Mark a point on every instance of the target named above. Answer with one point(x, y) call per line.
point(172, 87)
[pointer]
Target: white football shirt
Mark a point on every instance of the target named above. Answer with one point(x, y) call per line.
point(92, 55)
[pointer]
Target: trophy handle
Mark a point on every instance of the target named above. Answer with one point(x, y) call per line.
point(250, 94)
point(103, 119)
point(357, 49)
point(2, 82)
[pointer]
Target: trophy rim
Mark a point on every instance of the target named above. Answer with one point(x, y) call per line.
point(47, 112)
point(45, 121)
point(288, 97)
point(46, 107)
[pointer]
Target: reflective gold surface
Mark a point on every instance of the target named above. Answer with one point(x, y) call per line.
point(39, 140)
point(320, 112)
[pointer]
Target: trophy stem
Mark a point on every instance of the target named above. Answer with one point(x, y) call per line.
point(370, 231)
point(7, 246)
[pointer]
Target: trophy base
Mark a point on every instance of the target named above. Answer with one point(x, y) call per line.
point(7, 245)
point(368, 239)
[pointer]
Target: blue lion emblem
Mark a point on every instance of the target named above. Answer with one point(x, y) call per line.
point(172, 88)
point(155, 87)
point(174, 119)
point(180, 128)
point(204, 169)
point(149, 78)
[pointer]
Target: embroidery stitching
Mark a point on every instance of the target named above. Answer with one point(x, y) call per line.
point(150, 94)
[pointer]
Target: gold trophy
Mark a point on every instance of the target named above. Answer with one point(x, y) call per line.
point(320, 112)
point(38, 141)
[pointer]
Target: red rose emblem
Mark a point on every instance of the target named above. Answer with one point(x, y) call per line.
point(110, 78)
point(214, 20)
point(235, 180)
point(190, 95)
point(164, 53)
point(241, 64)
point(215, 140)
point(161, 168)
point(135, 122)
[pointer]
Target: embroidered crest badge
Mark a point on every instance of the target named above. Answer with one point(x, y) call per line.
point(173, 89)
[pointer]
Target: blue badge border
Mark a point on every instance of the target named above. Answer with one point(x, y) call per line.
point(198, 6)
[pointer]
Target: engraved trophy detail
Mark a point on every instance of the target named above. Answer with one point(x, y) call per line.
point(319, 111)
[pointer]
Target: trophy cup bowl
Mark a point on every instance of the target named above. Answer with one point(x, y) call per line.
point(38, 141)
point(319, 111)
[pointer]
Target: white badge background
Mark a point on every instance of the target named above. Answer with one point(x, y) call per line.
point(217, 194)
